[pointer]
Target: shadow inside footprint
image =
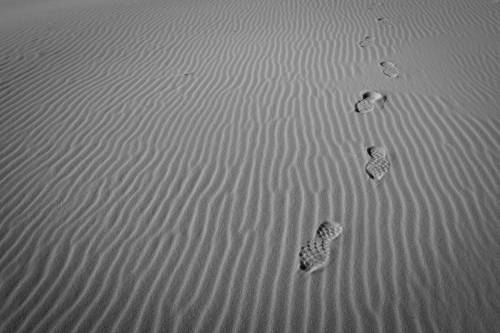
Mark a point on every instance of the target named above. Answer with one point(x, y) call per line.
point(369, 101)
point(315, 253)
point(377, 152)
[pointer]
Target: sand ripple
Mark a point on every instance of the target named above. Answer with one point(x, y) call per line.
point(162, 162)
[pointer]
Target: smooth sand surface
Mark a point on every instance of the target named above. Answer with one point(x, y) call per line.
point(163, 162)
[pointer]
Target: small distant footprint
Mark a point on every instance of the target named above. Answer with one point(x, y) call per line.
point(384, 21)
point(390, 69)
point(379, 163)
point(315, 253)
point(367, 41)
point(375, 5)
point(370, 100)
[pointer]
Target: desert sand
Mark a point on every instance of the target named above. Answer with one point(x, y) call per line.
point(163, 163)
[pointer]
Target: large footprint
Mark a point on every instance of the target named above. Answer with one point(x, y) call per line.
point(370, 100)
point(315, 253)
point(379, 163)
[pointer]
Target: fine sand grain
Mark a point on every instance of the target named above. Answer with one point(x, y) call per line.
point(162, 162)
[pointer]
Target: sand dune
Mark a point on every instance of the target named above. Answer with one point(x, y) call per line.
point(163, 162)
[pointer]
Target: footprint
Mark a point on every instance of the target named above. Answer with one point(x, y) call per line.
point(328, 231)
point(369, 101)
point(375, 5)
point(379, 163)
point(390, 69)
point(384, 21)
point(314, 255)
point(377, 152)
point(364, 106)
point(367, 41)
